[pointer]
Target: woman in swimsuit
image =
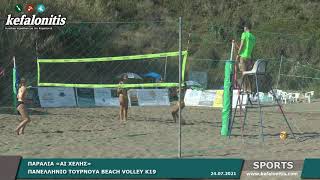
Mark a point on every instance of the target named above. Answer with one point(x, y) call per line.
point(175, 109)
point(123, 99)
point(22, 93)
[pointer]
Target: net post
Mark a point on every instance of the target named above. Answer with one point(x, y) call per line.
point(180, 55)
point(14, 81)
point(227, 94)
point(38, 72)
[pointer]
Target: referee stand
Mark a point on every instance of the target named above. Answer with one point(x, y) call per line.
point(258, 71)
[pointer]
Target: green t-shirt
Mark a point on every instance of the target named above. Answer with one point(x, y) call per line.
point(248, 44)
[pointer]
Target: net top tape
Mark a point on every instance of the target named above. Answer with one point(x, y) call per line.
point(118, 58)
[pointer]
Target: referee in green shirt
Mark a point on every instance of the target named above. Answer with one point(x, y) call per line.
point(248, 41)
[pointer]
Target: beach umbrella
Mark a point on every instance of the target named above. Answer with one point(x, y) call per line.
point(130, 75)
point(153, 75)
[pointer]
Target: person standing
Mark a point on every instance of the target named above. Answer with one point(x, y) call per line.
point(175, 109)
point(22, 110)
point(123, 99)
point(248, 41)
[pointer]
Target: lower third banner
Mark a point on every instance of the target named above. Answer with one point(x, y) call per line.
point(130, 168)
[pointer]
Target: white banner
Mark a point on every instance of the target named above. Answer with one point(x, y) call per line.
point(106, 97)
point(56, 97)
point(199, 98)
point(192, 97)
point(153, 97)
point(136, 97)
point(235, 96)
point(209, 98)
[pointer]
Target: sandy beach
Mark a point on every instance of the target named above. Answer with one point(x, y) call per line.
point(151, 133)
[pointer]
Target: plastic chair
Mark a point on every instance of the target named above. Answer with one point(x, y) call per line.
point(311, 93)
point(308, 97)
point(278, 93)
point(290, 98)
point(259, 68)
point(284, 97)
point(270, 96)
point(295, 97)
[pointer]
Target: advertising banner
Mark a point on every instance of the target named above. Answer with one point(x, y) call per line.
point(106, 97)
point(209, 98)
point(57, 97)
point(153, 97)
point(85, 97)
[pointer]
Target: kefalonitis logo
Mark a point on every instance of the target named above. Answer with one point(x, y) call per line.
point(33, 17)
point(24, 20)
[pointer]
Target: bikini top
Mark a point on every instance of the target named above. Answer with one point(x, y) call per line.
point(121, 90)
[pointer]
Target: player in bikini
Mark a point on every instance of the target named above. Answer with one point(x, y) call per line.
point(22, 110)
point(175, 109)
point(123, 99)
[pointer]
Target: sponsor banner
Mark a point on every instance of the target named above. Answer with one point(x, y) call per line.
point(209, 98)
point(106, 97)
point(85, 97)
point(217, 103)
point(200, 77)
point(199, 98)
point(129, 168)
point(89, 97)
point(192, 97)
point(56, 97)
point(153, 97)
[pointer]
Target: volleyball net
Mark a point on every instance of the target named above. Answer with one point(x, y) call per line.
point(148, 70)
